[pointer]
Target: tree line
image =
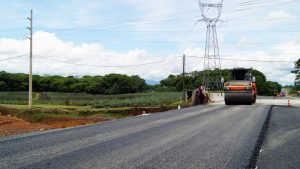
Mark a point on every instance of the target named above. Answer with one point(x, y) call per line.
point(194, 79)
point(108, 84)
point(121, 84)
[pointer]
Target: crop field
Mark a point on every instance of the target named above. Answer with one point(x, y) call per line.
point(71, 109)
point(97, 101)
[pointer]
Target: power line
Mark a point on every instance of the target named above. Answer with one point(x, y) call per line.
point(144, 19)
point(109, 66)
point(224, 54)
point(150, 63)
point(159, 42)
point(173, 31)
point(249, 3)
point(248, 60)
point(179, 13)
point(263, 19)
point(15, 57)
point(162, 15)
point(260, 6)
point(149, 18)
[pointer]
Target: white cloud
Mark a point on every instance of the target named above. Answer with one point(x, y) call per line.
point(48, 48)
point(245, 41)
point(279, 16)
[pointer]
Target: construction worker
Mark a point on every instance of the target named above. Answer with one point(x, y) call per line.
point(200, 94)
point(248, 76)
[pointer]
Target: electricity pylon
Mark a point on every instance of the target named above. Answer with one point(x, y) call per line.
point(212, 54)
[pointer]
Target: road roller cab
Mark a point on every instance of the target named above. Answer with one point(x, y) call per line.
point(241, 89)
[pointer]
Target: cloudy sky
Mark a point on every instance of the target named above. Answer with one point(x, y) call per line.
point(147, 38)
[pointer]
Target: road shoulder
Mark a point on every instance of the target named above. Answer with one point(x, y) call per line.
point(281, 147)
point(12, 126)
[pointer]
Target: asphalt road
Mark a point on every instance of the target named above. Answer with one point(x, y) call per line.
point(282, 145)
point(212, 136)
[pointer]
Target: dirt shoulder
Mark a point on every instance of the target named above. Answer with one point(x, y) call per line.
point(12, 125)
point(17, 119)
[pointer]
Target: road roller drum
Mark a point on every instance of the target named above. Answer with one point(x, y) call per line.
point(241, 89)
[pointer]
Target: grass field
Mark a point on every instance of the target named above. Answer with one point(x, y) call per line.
point(99, 101)
point(62, 109)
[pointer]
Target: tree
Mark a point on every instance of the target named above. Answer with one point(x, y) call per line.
point(120, 84)
point(194, 79)
point(108, 84)
point(262, 88)
point(297, 72)
point(272, 88)
point(171, 81)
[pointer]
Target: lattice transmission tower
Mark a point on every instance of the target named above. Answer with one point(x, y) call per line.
point(211, 13)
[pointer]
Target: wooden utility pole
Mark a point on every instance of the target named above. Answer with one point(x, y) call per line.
point(183, 78)
point(30, 62)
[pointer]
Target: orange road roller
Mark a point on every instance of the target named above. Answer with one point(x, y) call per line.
point(241, 89)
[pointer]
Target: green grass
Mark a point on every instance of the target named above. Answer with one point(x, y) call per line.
point(39, 113)
point(97, 101)
point(14, 97)
point(71, 105)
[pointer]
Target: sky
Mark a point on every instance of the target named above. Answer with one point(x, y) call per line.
point(147, 38)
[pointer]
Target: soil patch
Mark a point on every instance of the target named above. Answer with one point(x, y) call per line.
point(16, 121)
point(64, 122)
point(12, 125)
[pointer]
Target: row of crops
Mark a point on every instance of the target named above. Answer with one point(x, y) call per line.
point(97, 101)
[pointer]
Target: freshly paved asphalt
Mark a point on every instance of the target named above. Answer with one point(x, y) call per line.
point(212, 136)
point(281, 148)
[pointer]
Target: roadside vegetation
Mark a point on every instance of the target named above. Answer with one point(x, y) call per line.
point(71, 109)
point(115, 84)
point(107, 85)
point(69, 101)
point(150, 99)
point(295, 90)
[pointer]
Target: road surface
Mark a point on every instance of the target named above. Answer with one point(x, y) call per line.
point(211, 136)
point(281, 147)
